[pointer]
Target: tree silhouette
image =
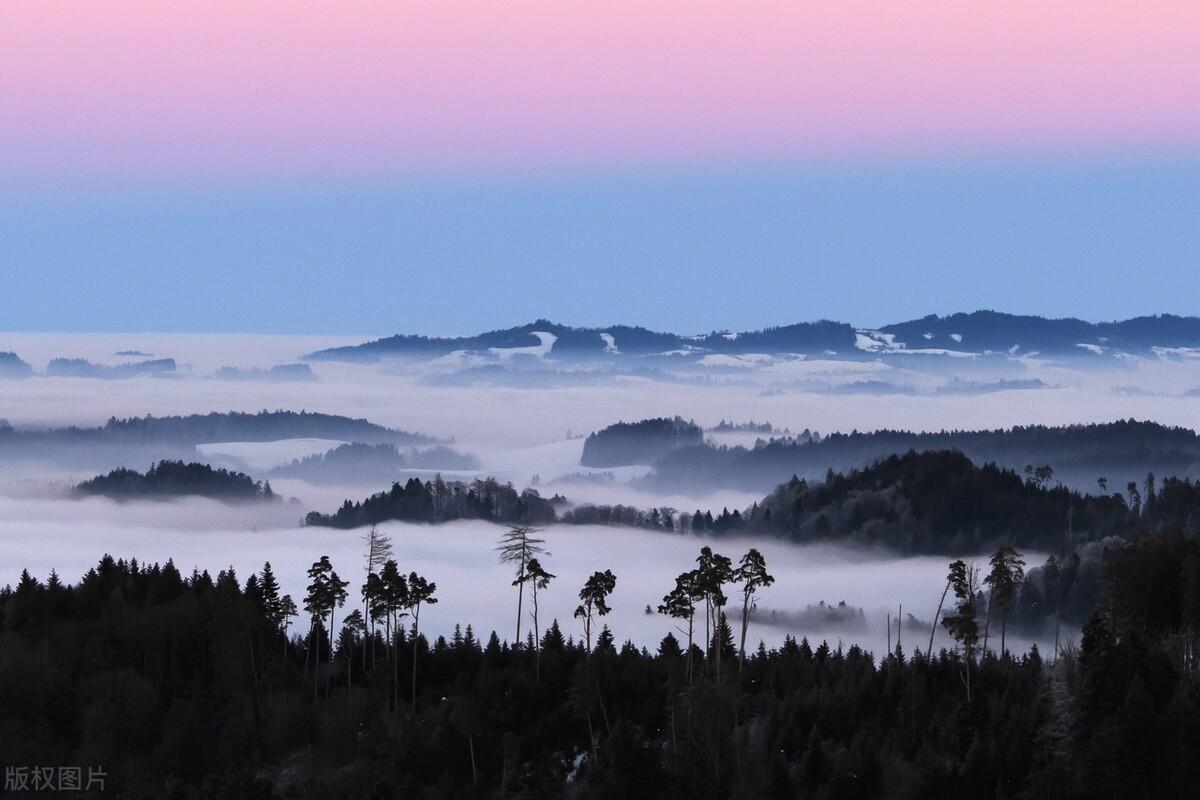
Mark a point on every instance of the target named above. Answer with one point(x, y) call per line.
point(420, 592)
point(1005, 577)
point(680, 603)
point(517, 547)
point(963, 624)
point(713, 571)
point(752, 575)
point(539, 579)
point(594, 597)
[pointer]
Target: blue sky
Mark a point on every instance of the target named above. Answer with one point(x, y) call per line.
point(687, 249)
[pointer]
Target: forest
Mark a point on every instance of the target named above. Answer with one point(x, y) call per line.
point(642, 442)
point(1120, 451)
point(358, 462)
point(257, 700)
point(168, 479)
point(920, 502)
point(443, 501)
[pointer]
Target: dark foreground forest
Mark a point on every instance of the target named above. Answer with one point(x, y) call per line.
point(189, 686)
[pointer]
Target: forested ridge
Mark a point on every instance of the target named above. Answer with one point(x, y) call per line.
point(918, 502)
point(188, 686)
point(1121, 451)
point(438, 500)
point(643, 442)
point(169, 479)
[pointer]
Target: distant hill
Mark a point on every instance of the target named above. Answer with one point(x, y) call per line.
point(11, 366)
point(82, 368)
point(438, 501)
point(642, 442)
point(168, 479)
point(358, 463)
point(976, 333)
point(140, 440)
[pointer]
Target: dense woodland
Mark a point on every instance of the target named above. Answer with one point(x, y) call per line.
point(193, 686)
point(642, 442)
point(438, 500)
point(919, 502)
point(1079, 454)
point(168, 479)
point(356, 462)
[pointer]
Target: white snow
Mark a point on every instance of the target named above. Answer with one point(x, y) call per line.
point(730, 336)
point(1091, 348)
point(744, 361)
point(541, 350)
point(864, 341)
point(610, 344)
point(956, 337)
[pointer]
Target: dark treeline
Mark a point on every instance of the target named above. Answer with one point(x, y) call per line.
point(190, 687)
point(919, 502)
point(438, 500)
point(643, 442)
point(1121, 451)
point(356, 462)
point(142, 440)
point(263, 426)
point(176, 479)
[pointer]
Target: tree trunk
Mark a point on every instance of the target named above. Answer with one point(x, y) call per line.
point(520, 601)
point(368, 628)
point(987, 623)
point(329, 672)
point(933, 629)
point(719, 639)
point(316, 641)
point(742, 646)
point(691, 646)
point(1003, 631)
point(537, 641)
point(474, 771)
point(416, 633)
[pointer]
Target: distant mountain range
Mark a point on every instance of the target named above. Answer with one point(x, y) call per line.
point(976, 333)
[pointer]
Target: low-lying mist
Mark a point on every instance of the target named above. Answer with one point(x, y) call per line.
point(473, 587)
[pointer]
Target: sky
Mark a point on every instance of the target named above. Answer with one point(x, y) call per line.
point(381, 167)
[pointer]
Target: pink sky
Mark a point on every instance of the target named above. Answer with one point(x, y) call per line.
point(164, 86)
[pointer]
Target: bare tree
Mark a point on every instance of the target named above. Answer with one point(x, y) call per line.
point(378, 551)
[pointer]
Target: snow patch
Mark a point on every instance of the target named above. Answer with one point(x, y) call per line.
point(956, 337)
point(1091, 348)
point(541, 350)
point(610, 344)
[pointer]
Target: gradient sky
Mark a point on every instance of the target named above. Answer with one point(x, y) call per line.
point(373, 167)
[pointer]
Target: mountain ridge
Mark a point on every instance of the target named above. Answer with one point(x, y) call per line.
point(982, 332)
